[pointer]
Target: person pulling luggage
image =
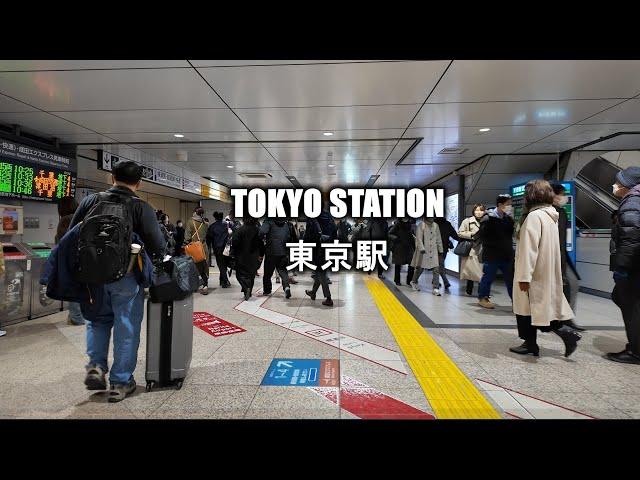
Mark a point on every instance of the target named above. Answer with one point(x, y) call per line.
point(121, 306)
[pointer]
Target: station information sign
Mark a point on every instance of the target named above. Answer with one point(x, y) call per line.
point(32, 174)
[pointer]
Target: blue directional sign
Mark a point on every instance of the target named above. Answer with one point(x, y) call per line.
point(290, 372)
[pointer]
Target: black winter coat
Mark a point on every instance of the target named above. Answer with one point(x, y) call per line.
point(247, 248)
point(446, 232)
point(276, 234)
point(496, 235)
point(403, 243)
point(627, 234)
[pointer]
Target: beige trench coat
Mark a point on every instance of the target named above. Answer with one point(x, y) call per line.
point(428, 239)
point(538, 262)
point(471, 268)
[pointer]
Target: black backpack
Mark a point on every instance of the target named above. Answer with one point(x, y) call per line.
point(104, 242)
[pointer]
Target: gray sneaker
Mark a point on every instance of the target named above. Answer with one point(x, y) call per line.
point(119, 392)
point(95, 378)
point(2, 333)
point(415, 286)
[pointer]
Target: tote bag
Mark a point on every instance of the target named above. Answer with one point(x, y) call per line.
point(195, 249)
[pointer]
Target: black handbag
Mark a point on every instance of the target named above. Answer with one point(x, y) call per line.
point(175, 279)
point(463, 248)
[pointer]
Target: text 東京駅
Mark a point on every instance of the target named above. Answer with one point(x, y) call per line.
point(343, 202)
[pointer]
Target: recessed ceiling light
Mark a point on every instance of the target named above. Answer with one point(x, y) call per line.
point(327, 134)
point(484, 129)
point(331, 165)
point(178, 135)
point(229, 166)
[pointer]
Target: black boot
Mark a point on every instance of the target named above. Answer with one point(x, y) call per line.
point(469, 288)
point(570, 338)
point(526, 349)
point(311, 294)
point(572, 324)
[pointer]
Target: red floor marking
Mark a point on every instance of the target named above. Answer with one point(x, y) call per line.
point(214, 326)
point(370, 404)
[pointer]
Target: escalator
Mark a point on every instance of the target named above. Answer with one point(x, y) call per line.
point(594, 200)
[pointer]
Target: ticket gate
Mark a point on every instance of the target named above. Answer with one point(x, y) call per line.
point(15, 284)
point(41, 305)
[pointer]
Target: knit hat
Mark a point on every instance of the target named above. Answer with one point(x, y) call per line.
point(629, 177)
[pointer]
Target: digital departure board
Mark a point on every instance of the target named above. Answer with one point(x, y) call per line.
point(32, 174)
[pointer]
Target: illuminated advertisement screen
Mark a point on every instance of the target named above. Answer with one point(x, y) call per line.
point(451, 214)
point(32, 174)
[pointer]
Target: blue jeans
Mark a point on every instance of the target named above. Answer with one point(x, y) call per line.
point(489, 271)
point(123, 310)
point(75, 315)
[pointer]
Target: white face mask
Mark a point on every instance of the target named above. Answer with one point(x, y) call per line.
point(616, 188)
point(508, 209)
point(562, 201)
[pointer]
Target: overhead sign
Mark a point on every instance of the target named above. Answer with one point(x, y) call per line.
point(32, 174)
point(214, 326)
point(289, 372)
point(165, 174)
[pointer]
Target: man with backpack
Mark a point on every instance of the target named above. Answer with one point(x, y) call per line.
point(109, 219)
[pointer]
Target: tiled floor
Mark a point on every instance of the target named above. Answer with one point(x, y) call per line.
point(41, 361)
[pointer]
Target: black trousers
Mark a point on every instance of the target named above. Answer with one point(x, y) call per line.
point(245, 279)
point(221, 261)
point(398, 269)
point(321, 279)
point(271, 263)
point(625, 296)
point(203, 270)
point(529, 333)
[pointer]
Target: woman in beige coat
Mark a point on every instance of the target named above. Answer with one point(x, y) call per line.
point(427, 253)
point(471, 268)
point(538, 299)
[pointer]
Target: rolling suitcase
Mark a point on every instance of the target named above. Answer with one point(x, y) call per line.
point(169, 342)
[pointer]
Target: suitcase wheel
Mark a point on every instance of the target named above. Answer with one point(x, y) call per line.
point(150, 385)
point(179, 384)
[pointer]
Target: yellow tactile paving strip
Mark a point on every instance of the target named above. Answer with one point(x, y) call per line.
point(450, 393)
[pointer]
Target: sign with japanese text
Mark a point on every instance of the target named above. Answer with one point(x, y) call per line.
point(214, 326)
point(32, 174)
point(288, 372)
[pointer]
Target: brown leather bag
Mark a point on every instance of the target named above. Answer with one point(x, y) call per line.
point(195, 249)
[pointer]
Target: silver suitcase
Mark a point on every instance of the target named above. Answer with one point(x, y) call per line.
point(169, 342)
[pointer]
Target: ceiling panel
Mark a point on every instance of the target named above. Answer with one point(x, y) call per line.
point(587, 133)
point(156, 121)
point(228, 156)
point(429, 153)
point(339, 153)
point(9, 105)
point(502, 181)
point(312, 85)
point(472, 135)
point(188, 136)
point(42, 123)
point(110, 89)
point(490, 80)
point(548, 147)
point(489, 114)
point(519, 164)
point(627, 112)
point(327, 118)
point(237, 63)
point(30, 65)
point(620, 142)
point(410, 176)
point(267, 136)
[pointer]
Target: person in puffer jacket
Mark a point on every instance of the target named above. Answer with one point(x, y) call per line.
point(626, 262)
point(276, 234)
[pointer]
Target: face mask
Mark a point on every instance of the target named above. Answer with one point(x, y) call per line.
point(616, 188)
point(562, 201)
point(405, 220)
point(508, 209)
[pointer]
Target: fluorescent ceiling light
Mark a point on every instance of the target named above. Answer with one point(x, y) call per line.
point(331, 165)
point(178, 135)
point(229, 166)
point(327, 134)
point(484, 129)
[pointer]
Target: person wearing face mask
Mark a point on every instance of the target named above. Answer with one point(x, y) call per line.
point(570, 277)
point(496, 235)
point(427, 253)
point(471, 268)
point(626, 262)
point(402, 245)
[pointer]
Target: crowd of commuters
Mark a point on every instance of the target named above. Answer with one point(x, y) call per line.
point(539, 275)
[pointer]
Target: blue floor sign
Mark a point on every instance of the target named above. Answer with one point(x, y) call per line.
point(289, 372)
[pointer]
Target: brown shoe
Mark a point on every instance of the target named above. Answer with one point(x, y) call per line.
point(485, 303)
